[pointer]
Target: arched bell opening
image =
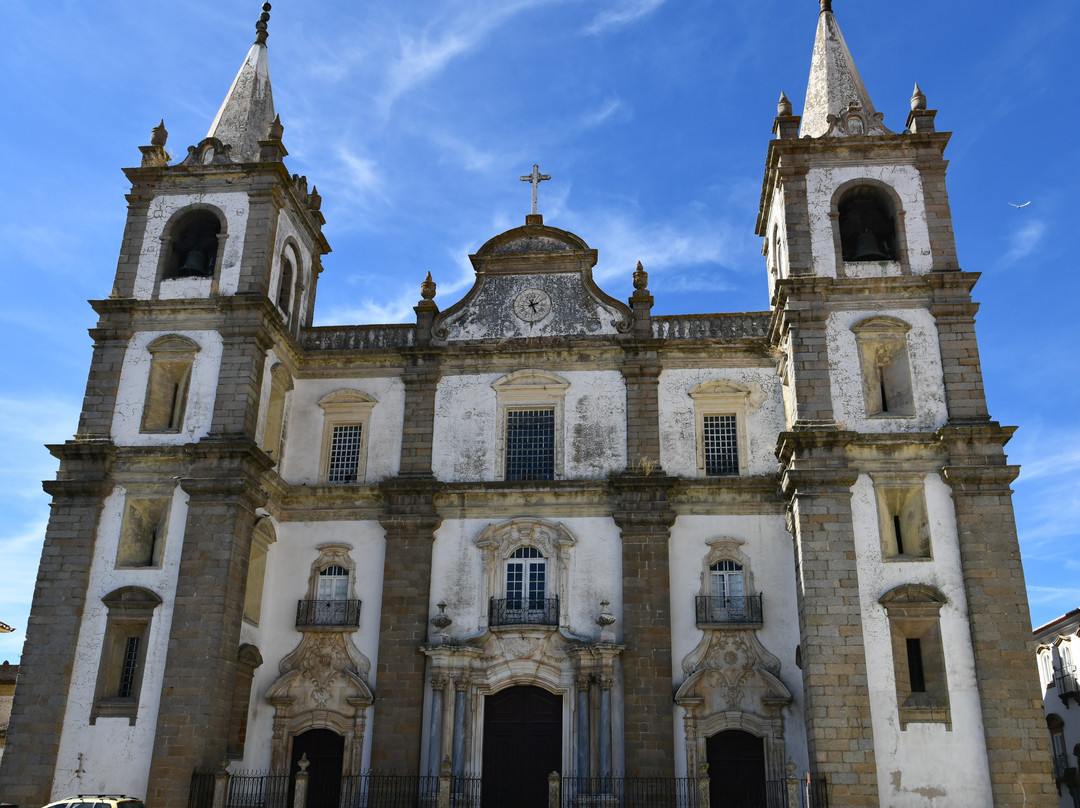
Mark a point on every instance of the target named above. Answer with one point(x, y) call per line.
point(867, 218)
point(193, 249)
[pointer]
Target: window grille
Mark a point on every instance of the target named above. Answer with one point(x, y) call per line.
point(721, 445)
point(530, 444)
point(344, 453)
point(127, 674)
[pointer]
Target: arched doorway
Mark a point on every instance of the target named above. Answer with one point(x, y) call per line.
point(522, 745)
point(736, 769)
point(325, 751)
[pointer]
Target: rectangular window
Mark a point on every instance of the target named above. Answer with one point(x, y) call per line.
point(721, 445)
point(344, 453)
point(915, 665)
point(131, 666)
point(530, 444)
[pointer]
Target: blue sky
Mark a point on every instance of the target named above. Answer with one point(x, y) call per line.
point(415, 119)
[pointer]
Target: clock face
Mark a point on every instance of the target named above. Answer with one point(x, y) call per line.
point(532, 305)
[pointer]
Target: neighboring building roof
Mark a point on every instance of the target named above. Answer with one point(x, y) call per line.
point(8, 672)
point(5, 628)
point(1058, 624)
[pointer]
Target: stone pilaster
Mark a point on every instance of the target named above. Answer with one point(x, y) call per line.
point(645, 517)
point(48, 657)
point(954, 313)
point(410, 521)
point(236, 405)
point(99, 403)
point(204, 637)
point(837, 705)
point(1005, 668)
point(641, 372)
point(799, 325)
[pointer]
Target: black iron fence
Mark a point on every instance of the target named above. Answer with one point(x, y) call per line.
point(258, 790)
point(523, 611)
point(630, 792)
point(327, 613)
point(375, 790)
point(814, 792)
point(744, 609)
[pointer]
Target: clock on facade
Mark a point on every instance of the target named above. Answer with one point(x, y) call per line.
point(532, 305)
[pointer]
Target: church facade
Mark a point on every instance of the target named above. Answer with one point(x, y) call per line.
point(539, 529)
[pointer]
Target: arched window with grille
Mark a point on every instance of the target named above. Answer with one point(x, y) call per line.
point(727, 588)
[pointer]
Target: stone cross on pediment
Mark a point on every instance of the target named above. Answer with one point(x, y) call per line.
point(535, 178)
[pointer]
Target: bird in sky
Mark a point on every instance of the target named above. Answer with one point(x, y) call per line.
point(1020, 206)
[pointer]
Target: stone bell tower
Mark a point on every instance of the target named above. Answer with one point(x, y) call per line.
point(913, 615)
point(134, 637)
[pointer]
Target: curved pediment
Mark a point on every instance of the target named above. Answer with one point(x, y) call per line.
point(532, 238)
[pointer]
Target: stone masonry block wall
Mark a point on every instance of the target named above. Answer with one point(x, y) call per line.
point(200, 669)
point(965, 396)
point(644, 517)
point(839, 730)
point(1016, 736)
point(99, 403)
point(37, 715)
point(642, 412)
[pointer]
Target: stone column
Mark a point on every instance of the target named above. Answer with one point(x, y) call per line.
point(461, 705)
point(48, 657)
point(606, 684)
point(435, 735)
point(582, 767)
point(1016, 739)
point(837, 704)
point(954, 313)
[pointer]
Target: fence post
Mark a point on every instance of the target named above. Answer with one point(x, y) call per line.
point(300, 793)
point(793, 792)
point(221, 785)
point(445, 780)
point(703, 785)
point(554, 790)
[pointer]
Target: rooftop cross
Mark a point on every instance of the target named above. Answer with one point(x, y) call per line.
point(535, 178)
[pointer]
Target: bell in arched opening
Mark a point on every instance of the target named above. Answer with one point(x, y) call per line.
point(867, 247)
point(194, 264)
point(194, 246)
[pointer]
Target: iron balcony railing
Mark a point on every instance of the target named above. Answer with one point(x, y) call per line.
point(523, 612)
point(722, 611)
point(1061, 763)
point(1065, 679)
point(310, 613)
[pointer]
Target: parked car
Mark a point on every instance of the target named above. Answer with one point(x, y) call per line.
point(97, 801)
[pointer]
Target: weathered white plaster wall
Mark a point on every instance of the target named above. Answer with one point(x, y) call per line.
point(131, 393)
point(924, 358)
point(116, 755)
point(678, 423)
point(465, 444)
point(264, 397)
point(923, 765)
point(594, 567)
point(301, 462)
point(235, 206)
point(821, 185)
point(771, 572)
point(288, 577)
point(776, 259)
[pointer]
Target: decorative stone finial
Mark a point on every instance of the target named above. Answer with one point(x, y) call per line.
point(276, 129)
point(918, 99)
point(158, 135)
point(826, 5)
point(535, 178)
point(606, 618)
point(260, 27)
point(783, 106)
point(641, 277)
point(314, 200)
point(303, 763)
point(427, 291)
point(441, 621)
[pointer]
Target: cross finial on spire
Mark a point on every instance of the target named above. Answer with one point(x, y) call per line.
point(260, 27)
point(535, 178)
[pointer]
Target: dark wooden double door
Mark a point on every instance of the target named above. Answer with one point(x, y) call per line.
point(737, 770)
point(325, 752)
point(522, 746)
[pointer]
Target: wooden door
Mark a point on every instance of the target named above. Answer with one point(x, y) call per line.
point(522, 746)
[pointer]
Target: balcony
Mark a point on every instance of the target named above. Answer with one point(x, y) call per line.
point(523, 612)
point(338, 615)
point(1067, 688)
point(740, 611)
point(1061, 765)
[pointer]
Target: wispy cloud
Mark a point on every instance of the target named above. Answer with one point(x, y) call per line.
point(423, 56)
point(1023, 241)
point(624, 13)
